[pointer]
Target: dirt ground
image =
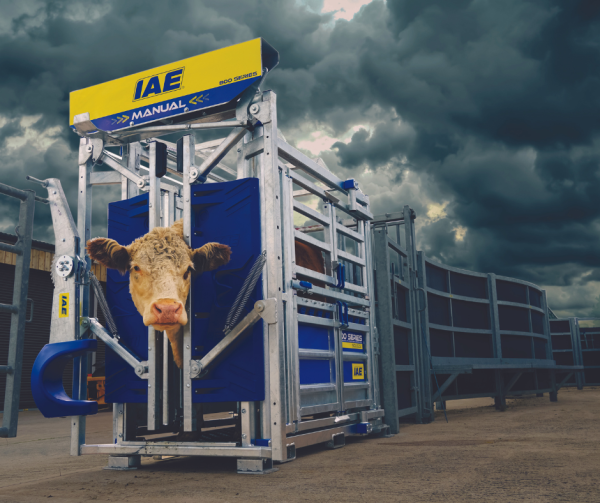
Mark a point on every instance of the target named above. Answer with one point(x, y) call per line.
point(534, 451)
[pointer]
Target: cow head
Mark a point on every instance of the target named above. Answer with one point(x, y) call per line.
point(160, 266)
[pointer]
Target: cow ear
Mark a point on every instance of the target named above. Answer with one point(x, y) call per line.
point(109, 253)
point(178, 227)
point(210, 256)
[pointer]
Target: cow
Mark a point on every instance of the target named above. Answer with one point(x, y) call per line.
point(160, 265)
point(309, 257)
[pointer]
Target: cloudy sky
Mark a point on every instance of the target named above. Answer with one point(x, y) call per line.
point(482, 115)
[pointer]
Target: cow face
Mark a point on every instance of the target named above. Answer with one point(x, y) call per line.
point(160, 266)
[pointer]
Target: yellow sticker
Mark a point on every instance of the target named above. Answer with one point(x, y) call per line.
point(358, 371)
point(63, 305)
point(351, 345)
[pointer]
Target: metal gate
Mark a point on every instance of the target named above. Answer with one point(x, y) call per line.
point(398, 324)
point(13, 369)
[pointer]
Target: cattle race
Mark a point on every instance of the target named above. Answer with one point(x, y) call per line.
point(255, 309)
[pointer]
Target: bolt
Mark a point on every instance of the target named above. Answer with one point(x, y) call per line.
point(149, 385)
point(63, 240)
point(187, 346)
point(187, 385)
point(243, 435)
point(120, 435)
point(186, 109)
point(131, 123)
point(54, 192)
point(243, 411)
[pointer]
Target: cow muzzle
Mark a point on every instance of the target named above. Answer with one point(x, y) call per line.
point(167, 312)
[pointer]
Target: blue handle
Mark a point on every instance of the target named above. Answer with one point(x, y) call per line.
point(46, 379)
point(342, 313)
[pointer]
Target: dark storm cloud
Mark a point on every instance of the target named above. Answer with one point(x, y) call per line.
point(490, 108)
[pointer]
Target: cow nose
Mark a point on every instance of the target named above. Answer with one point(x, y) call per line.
point(167, 311)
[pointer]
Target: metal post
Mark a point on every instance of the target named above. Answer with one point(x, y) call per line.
point(84, 225)
point(271, 215)
point(422, 342)
point(385, 327)
point(577, 353)
point(155, 345)
point(289, 260)
point(17, 320)
point(554, 393)
point(189, 415)
point(500, 398)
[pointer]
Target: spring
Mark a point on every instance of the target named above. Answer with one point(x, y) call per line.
point(244, 294)
point(99, 293)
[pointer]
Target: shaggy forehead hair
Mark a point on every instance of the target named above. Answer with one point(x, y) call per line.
point(161, 246)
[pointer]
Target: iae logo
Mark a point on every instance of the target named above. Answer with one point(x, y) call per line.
point(358, 371)
point(162, 83)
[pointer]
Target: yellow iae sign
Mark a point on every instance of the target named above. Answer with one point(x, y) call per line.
point(180, 91)
point(358, 371)
point(63, 305)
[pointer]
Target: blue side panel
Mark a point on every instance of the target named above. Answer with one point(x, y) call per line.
point(227, 213)
point(316, 371)
point(127, 221)
point(313, 337)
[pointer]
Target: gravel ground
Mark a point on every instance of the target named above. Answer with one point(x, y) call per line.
point(534, 451)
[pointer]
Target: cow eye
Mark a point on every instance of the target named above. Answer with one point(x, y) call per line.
point(187, 273)
point(136, 268)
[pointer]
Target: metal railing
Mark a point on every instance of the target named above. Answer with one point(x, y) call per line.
point(22, 248)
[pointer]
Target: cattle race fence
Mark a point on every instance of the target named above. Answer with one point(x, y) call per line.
point(448, 334)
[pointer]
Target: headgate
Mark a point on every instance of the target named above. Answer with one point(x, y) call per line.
point(477, 334)
point(299, 368)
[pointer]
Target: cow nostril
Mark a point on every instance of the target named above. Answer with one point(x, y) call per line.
point(157, 309)
point(178, 309)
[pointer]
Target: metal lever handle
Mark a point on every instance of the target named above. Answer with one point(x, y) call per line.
point(43, 183)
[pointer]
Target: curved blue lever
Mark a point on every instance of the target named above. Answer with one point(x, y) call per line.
point(46, 379)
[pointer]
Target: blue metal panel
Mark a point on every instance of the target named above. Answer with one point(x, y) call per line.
point(312, 337)
point(227, 213)
point(127, 221)
point(316, 372)
point(47, 379)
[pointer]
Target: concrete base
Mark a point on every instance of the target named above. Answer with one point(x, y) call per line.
point(123, 463)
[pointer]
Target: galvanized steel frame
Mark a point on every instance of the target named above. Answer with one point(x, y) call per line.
point(264, 154)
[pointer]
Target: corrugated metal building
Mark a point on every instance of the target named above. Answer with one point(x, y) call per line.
point(37, 332)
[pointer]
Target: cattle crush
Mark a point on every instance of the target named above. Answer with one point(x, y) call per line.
point(285, 349)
